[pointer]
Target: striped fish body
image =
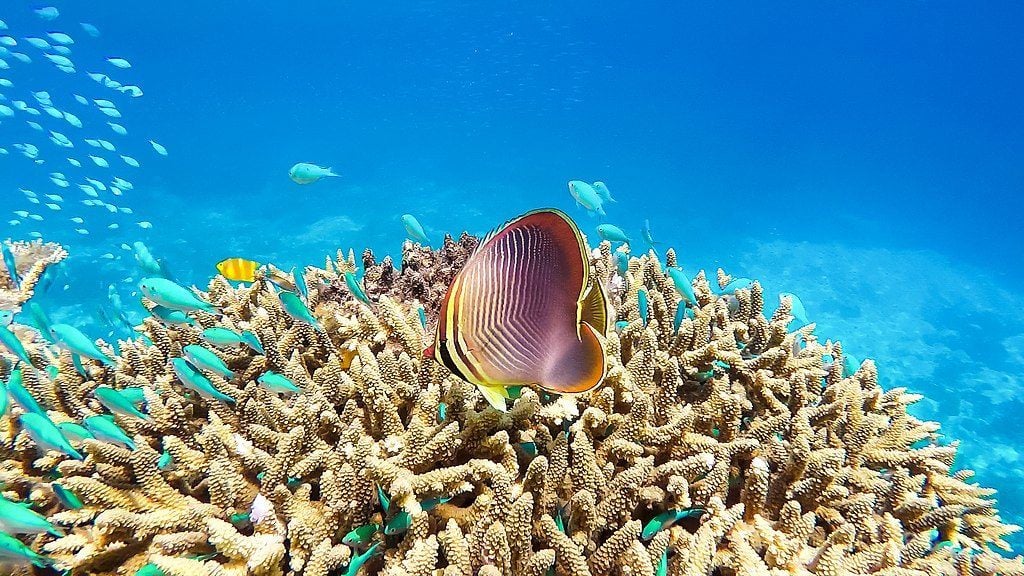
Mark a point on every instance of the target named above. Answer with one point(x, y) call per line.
point(519, 311)
point(238, 269)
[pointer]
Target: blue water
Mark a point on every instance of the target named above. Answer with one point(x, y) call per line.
point(866, 156)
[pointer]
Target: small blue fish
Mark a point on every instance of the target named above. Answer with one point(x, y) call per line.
point(683, 284)
point(666, 519)
point(399, 523)
point(21, 396)
point(222, 337)
point(355, 288)
point(171, 317)
point(165, 460)
point(4, 400)
point(75, 432)
point(191, 377)
point(16, 552)
point(682, 311)
point(114, 401)
point(166, 293)
point(361, 536)
point(11, 342)
point(12, 268)
point(18, 518)
point(641, 297)
point(105, 429)
point(40, 320)
point(585, 195)
point(76, 342)
point(297, 309)
point(206, 359)
point(250, 340)
point(413, 228)
point(850, 365)
point(299, 277)
point(357, 562)
point(612, 233)
point(277, 383)
point(736, 284)
point(423, 316)
point(621, 262)
point(621, 325)
point(646, 233)
point(662, 568)
point(67, 498)
point(602, 190)
point(796, 309)
point(46, 435)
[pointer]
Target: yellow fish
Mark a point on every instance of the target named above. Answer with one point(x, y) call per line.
point(238, 269)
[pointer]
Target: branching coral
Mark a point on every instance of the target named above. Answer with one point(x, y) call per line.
point(31, 260)
point(765, 454)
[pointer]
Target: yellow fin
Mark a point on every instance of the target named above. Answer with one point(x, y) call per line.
point(594, 309)
point(495, 396)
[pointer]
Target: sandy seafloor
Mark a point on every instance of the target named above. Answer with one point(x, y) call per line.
point(867, 159)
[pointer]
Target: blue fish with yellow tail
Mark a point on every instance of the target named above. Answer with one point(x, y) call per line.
point(356, 288)
point(166, 293)
point(15, 552)
point(18, 518)
point(277, 383)
point(206, 359)
point(105, 429)
point(10, 264)
point(297, 309)
point(114, 401)
point(73, 340)
point(21, 396)
point(11, 342)
point(414, 229)
point(46, 435)
point(537, 322)
point(683, 285)
point(191, 377)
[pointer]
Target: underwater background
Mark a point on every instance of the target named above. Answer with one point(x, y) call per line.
point(864, 156)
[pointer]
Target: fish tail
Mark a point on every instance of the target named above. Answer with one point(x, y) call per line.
point(330, 172)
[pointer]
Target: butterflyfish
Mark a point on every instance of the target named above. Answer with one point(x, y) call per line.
point(238, 269)
point(523, 311)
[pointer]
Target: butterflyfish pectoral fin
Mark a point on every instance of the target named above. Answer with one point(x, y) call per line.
point(594, 308)
point(495, 396)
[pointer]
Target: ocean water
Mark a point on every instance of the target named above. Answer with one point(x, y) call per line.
point(868, 157)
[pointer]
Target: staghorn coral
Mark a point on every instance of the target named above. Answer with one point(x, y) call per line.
point(31, 260)
point(797, 466)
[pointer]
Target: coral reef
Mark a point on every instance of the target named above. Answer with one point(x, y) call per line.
point(750, 443)
point(31, 260)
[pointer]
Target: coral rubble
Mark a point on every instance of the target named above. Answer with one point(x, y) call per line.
point(765, 455)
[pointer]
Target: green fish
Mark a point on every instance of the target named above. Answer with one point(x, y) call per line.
point(204, 358)
point(40, 320)
point(646, 233)
point(5, 402)
point(621, 325)
point(641, 298)
point(361, 536)
point(275, 382)
point(165, 460)
point(46, 435)
point(222, 337)
point(299, 277)
point(621, 262)
point(167, 293)
point(666, 519)
point(356, 563)
point(171, 317)
point(52, 371)
point(105, 429)
point(399, 523)
point(528, 448)
point(423, 316)
point(149, 570)
point(683, 285)
point(134, 394)
point(682, 311)
point(796, 309)
point(10, 341)
point(355, 288)
point(194, 379)
point(383, 499)
point(250, 340)
point(117, 403)
point(442, 411)
point(15, 551)
point(67, 498)
point(612, 233)
point(736, 284)
point(18, 518)
point(239, 518)
point(74, 341)
point(9, 262)
point(414, 229)
point(296, 308)
point(850, 365)
point(662, 568)
point(75, 432)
